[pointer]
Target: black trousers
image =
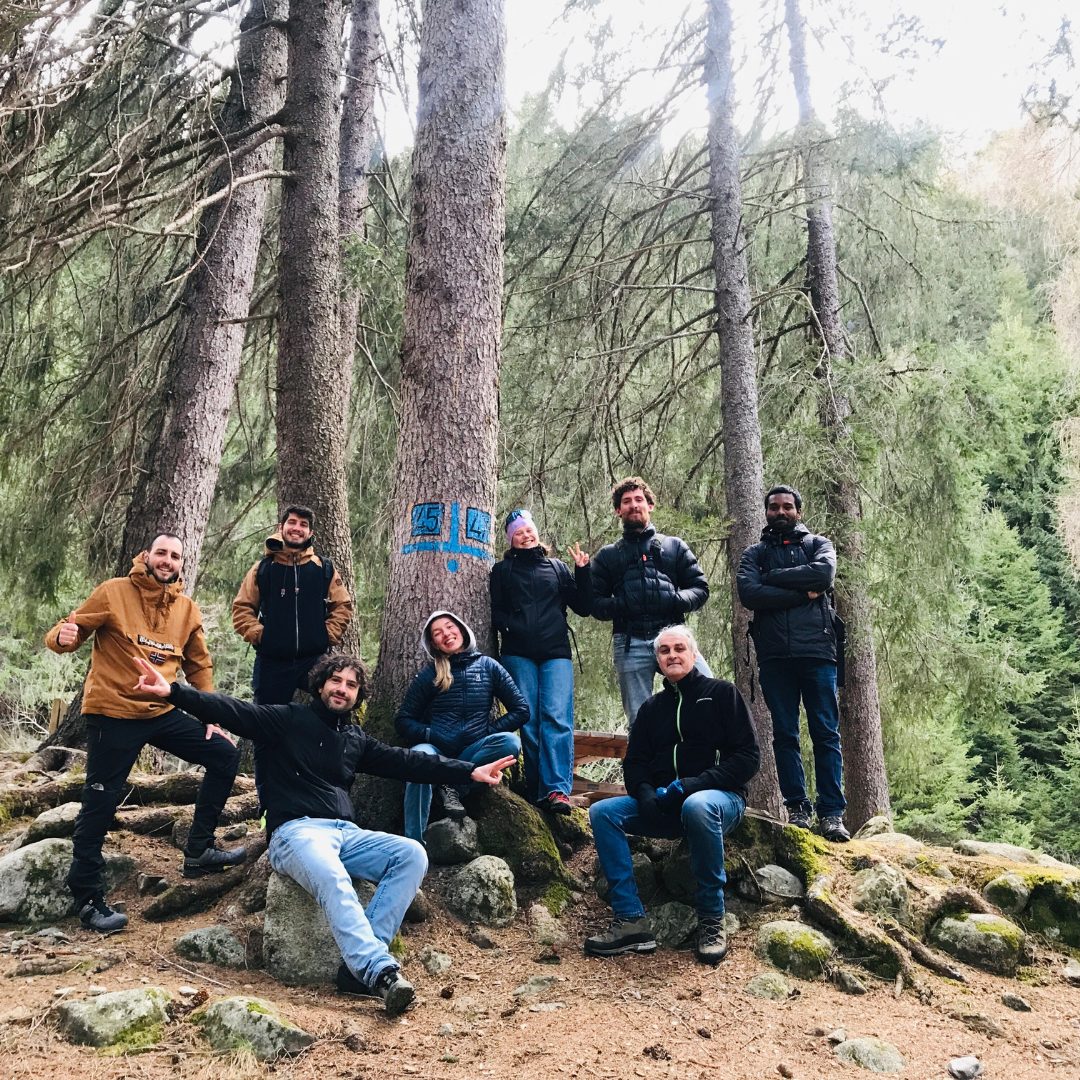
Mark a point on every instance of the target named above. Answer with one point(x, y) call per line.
point(274, 681)
point(112, 746)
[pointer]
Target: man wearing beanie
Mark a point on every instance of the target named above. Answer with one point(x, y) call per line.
point(642, 583)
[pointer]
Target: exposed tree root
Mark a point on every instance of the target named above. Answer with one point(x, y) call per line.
point(199, 894)
point(922, 954)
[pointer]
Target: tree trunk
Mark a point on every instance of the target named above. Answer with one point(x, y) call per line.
point(445, 474)
point(865, 781)
point(312, 394)
point(738, 374)
point(177, 484)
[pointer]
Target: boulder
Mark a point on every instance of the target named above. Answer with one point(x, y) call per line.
point(1054, 908)
point(896, 840)
point(509, 827)
point(772, 884)
point(483, 892)
point(32, 881)
point(795, 948)
point(56, 822)
point(1010, 892)
point(213, 945)
point(989, 942)
point(451, 842)
point(124, 1020)
point(769, 985)
point(673, 923)
point(298, 948)
point(871, 1054)
point(875, 826)
point(883, 890)
point(250, 1024)
point(646, 879)
point(1011, 853)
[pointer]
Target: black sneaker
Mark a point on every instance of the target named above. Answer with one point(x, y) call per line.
point(396, 991)
point(348, 983)
point(212, 861)
point(711, 939)
point(622, 936)
point(799, 818)
point(451, 803)
point(832, 828)
point(95, 914)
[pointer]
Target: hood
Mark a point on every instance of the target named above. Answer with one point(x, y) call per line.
point(470, 637)
point(275, 545)
point(156, 599)
point(800, 530)
point(631, 533)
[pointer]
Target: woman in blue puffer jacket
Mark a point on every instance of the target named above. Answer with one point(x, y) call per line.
point(448, 710)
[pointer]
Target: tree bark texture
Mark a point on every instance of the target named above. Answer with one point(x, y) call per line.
point(176, 487)
point(445, 476)
point(738, 374)
point(312, 393)
point(865, 781)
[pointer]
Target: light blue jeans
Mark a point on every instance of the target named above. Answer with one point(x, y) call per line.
point(323, 854)
point(547, 737)
point(635, 668)
point(704, 819)
point(418, 796)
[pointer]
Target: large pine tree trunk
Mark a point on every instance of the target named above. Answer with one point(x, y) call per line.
point(312, 393)
point(738, 373)
point(177, 484)
point(865, 781)
point(445, 474)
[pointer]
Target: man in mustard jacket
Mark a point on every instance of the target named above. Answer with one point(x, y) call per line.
point(292, 607)
point(147, 615)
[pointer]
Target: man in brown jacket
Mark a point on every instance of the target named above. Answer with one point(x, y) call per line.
point(292, 607)
point(143, 615)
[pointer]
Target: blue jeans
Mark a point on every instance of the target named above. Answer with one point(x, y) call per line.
point(547, 737)
point(322, 855)
point(705, 818)
point(783, 682)
point(635, 668)
point(418, 796)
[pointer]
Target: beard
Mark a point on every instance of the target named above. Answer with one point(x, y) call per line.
point(296, 544)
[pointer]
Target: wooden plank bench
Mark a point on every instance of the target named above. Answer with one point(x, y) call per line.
point(596, 746)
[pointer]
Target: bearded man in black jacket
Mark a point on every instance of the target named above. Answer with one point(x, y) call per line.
point(314, 753)
point(690, 756)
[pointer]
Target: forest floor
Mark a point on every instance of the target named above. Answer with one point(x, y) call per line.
point(662, 1015)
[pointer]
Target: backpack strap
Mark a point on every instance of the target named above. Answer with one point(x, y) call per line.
point(262, 578)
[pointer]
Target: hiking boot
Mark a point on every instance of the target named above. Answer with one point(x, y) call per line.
point(832, 828)
point(451, 803)
point(212, 861)
point(95, 914)
point(396, 991)
point(556, 802)
point(711, 939)
point(348, 983)
point(622, 936)
point(799, 818)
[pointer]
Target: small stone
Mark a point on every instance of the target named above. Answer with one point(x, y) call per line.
point(848, 981)
point(1016, 1002)
point(547, 1006)
point(545, 927)
point(785, 1070)
point(96, 991)
point(705, 1033)
point(1071, 971)
point(978, 1022)
point(445, 1029)
point(769, 985)
point(876, 825)
point(54, 934)
point(236, 832)
point(838, 1035)
point(187, 991)
point(965, 1068)
point(478, 938)
point(731, 923)
point(537, 984)
point(673, 923)
point(773, 884)
point(875, 1055)
point(795, 948)
point(151, 884)
point(435, 962)
point(62, 991)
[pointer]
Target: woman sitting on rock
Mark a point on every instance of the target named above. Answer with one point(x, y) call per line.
point(448, 710)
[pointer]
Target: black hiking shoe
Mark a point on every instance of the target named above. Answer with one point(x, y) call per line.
point(801, 819)
point(212, 861)
point(451, 803)
point(348, 983)
point(622, 936)
point(396, 991)
point(832, 828)
point(95, 914)
point(711, 945)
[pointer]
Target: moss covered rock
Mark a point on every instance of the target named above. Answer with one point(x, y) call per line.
point(122, 1021)
point(482, 891)
point(1010, 892)
point(795, 948)
point(871, 1054)
point(213, 945)
point(989, 942)
point(769, 985)
point(883, 890)
point(507, 826)
point(1054, 908)
point(244, 1023)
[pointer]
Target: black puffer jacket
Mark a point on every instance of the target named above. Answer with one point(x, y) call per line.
point(529, 597)
point(646, 581)
point(457, 717)
point(698, 729)
point(774, 578)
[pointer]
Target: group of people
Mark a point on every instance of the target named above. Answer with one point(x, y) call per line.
point(691, 749)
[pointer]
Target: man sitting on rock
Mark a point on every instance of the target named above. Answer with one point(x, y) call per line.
point(313, 754)
point(691, 752)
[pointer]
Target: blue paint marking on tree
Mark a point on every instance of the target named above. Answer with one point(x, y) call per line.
point(427, 520)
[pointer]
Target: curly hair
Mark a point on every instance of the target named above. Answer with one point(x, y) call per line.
point(631, 483)
point(331, 664)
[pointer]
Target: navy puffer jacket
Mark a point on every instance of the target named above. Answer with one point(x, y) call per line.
point(457, 717)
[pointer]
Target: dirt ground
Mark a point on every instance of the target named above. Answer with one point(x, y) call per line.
point(662, 1015)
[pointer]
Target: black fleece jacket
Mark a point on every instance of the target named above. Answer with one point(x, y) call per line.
point(311, 755)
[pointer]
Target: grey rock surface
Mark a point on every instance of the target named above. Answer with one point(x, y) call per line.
point(883, 890)
point(989, 942)
point(451, 842)
point(965, 1068)
point(251, 1023)
point(482, 891)
point(769, 985)
point(874, 1055)
point(673, 923)
point(772, 884)
point(1011, 853)
point(546, 929)
point(129, 1019)
point(795, 948)
point(212, 945)
point(433, 961)
point(58, 821)
point(874, 826)
point(1009, 892)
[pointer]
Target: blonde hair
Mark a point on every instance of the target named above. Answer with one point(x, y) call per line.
point(444, 677)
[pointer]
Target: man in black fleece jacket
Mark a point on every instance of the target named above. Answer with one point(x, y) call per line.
point(689, 759)
point(314, 753)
